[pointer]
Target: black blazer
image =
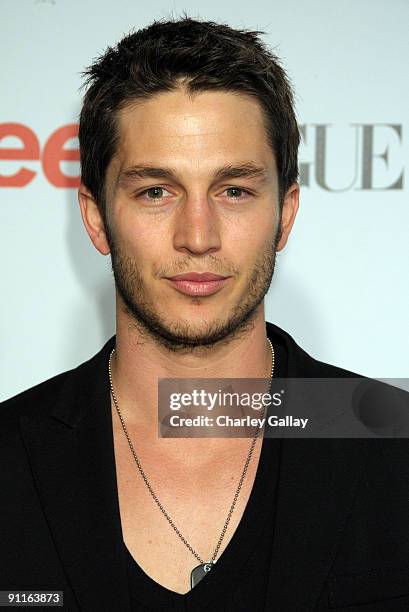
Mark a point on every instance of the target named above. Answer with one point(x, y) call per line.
point(342, 521)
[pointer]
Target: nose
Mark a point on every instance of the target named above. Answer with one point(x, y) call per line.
point(197, 226)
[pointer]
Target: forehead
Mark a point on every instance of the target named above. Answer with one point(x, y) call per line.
point(203, 131)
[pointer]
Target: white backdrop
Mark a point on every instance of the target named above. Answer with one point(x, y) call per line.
point(341, 286)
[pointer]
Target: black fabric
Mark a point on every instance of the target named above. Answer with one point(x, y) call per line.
point(340, 507)
point(240, 576)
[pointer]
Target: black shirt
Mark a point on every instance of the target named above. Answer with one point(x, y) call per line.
point(239, 578)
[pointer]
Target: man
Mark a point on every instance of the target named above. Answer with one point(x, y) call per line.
point(189, 144)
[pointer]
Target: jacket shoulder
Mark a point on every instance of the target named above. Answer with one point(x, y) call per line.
point(36, 399)
point(301, 363)
point(40, 399)
point(322, 369)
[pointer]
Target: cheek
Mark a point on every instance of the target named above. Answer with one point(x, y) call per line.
point(135, 236)
point(147, 250)
point(257, 234)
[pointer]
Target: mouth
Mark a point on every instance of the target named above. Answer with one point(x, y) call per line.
point(198, 287)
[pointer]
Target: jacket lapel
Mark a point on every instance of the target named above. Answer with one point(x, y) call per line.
point(71, 452)
point(318, 483)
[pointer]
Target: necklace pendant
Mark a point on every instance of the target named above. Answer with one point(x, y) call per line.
point(199, 572)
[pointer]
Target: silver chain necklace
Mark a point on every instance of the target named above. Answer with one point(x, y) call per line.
point(201, 570)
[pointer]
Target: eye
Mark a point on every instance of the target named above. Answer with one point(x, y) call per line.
point(154, 193)
point(236, 192)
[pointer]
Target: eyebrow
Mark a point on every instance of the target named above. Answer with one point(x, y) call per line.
point(229, 171)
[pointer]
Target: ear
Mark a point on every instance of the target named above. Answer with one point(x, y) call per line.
point(288, 213)
point(93, 221)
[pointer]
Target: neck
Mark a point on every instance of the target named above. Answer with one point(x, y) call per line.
point(140, 360)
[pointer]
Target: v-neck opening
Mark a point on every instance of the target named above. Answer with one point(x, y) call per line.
point(230, 567)
point(238, 549)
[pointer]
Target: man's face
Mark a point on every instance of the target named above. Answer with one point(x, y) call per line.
point(193, 188)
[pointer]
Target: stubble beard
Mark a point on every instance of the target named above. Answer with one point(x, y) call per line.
point(179, 335)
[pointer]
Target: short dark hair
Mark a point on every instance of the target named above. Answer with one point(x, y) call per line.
point(205, 56)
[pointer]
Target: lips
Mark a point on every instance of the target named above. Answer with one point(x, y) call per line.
point(198, 284)
point(197, 277)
